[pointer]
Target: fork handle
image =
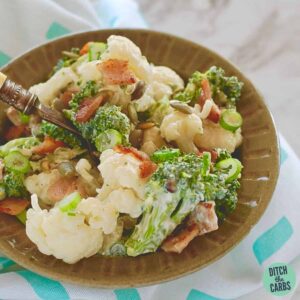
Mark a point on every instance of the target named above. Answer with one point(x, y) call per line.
point(15, 95)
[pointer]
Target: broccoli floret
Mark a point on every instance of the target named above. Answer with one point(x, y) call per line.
point(229, 86)
point(106, 117)
point(14, 184)
point(225, 89)
point(173, 192)
point(60, 134)
point(18, 144)
point(89, 90)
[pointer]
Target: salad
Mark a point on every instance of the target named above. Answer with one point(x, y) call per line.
point(166, 173)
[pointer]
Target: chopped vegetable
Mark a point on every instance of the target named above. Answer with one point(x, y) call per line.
point(18, 144)
point(108, 139)
point(70, 202)
point(13, 206)
point(106, 117)
point(231, 120)
point(165, 155)
point(233, 166)
point(88, 91)
point(226, 88)
point(49, 145)
point(59, 134)
point(22, 216)
point(17, 162)
point(95, 50)
point(14, 184)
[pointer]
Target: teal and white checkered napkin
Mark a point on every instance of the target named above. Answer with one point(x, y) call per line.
point(26, 23)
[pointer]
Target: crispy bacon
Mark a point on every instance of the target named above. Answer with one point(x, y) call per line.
point(215, 112)
point(61, 188)
point(49, 145)
point(116, 71)
point(147, 168)
point(202, 220)
point(13, 206)
point(67, 95)
point(15, 132)
point(88, 108)
point(133, 151)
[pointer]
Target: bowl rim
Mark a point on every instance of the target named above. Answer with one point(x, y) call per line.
point(15, 256)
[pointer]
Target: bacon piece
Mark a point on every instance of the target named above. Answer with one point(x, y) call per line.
point(202, 220)
point(49, 145)
point(68, 94)
point(147, 168)
point(215, 112)
point(61, 188)
point(15, 132)
point(116, 71)
point(133, 151)
point(13, 206)
point(88, 108)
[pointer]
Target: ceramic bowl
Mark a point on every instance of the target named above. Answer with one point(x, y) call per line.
point(259, 155)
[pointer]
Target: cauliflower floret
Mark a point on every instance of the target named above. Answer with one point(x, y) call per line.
point(39, 183)
point(122, 192)
point(182, 129)
point(121, 170)
point(167, 76)
point(122, 48)
point(48, 90)
point(66, 237)
point(99, 215)
point(214, 136)
point(89, 71)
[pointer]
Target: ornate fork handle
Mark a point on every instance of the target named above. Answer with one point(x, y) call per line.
point(15, 95)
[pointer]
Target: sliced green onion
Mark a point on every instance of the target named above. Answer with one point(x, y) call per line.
point(117, 249)
point(22, 217)
point(15, 161)
point(24, 118)
point(231, 120)
point(69, 203)
point(206, 163)
point(95, 50)
point(165, 155)
point(234, 166)
point(108, 139)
